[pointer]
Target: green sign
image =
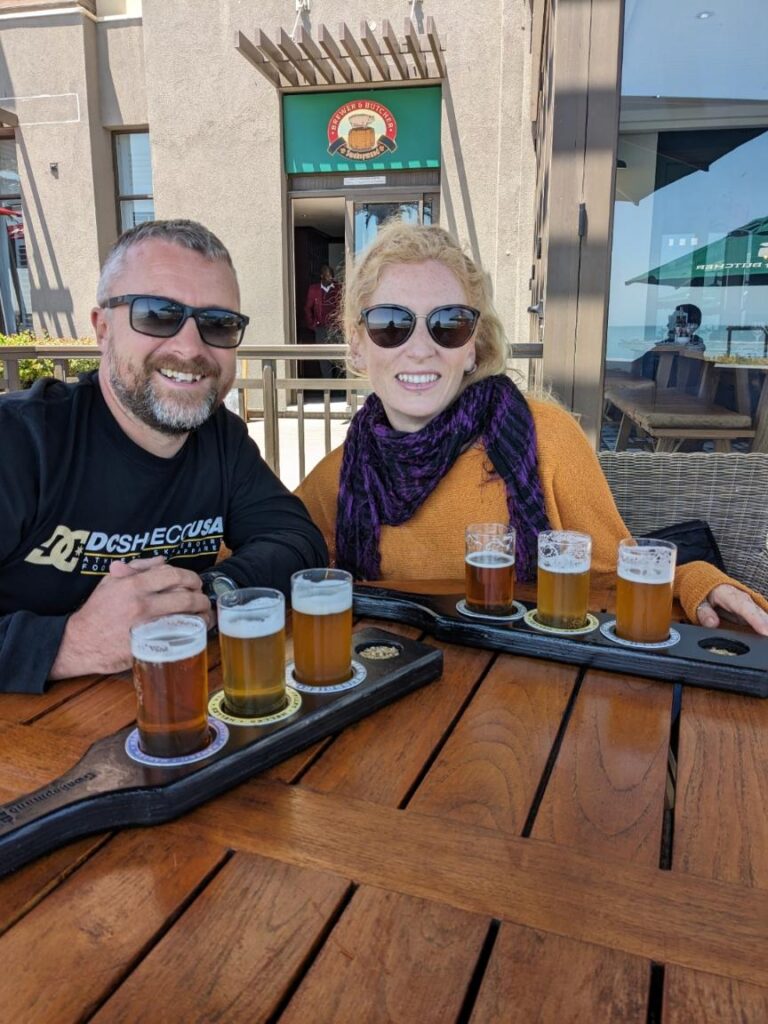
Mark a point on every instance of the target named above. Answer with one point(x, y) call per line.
point(362, 130)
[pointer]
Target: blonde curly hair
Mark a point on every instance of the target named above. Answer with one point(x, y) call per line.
point(397, 243)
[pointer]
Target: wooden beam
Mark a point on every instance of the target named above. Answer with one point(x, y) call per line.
point(312, 50)
point(244, 46)
point(268, 48)
point(328, 43)
point(374, 52)
point(393, 45)
point(296, 57)
point(414, 48)
point(353, 51)
point(7, 118)
point(435, 45)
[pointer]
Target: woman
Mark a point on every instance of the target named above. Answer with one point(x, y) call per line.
point(447, 439)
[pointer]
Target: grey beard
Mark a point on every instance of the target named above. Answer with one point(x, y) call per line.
point(163, 415)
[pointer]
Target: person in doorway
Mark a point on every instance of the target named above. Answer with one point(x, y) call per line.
point(117, 492)
point(320, 311)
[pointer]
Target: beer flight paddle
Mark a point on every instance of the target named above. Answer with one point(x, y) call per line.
point(118, 784)
point(717, 659)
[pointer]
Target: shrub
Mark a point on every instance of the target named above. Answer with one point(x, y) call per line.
point(31, 369)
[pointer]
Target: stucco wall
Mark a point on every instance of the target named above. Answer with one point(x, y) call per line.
point(216, 135)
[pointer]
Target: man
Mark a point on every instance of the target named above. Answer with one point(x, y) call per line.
point(117, 492)
point(320, 313)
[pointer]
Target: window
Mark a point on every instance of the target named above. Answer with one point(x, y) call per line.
point(133, 170)
point(12, 225)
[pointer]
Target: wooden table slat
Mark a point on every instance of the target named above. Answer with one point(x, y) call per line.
point(606, 791)
point(489, 770)
point(235, 951)
point(391, 958)
point(593, 984)
point(388, 748)
point(721, 813)
point(90, 929)
point(690, 996)
point(32, 757)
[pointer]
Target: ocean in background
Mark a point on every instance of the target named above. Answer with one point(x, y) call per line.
point(628, 343)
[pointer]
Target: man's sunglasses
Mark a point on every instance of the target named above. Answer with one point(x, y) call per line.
point(389, 326)
point(162, 318)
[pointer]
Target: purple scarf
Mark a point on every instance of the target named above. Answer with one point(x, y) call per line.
point(386, 475)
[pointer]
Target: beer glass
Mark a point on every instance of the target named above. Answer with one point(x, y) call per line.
point(489, 568)
point(170, 674)
point(646, 573)
point(252, 641)
point(563, 578)
point(322, 626)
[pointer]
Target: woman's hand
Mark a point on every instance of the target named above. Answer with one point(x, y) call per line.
point(733, 604)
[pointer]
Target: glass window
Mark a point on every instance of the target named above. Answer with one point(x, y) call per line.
point(12, 226)
point(688, 302)
point(133, 163)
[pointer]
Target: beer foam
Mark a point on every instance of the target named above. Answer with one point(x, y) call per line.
point(171, 638)
point(490, 559)
point(658, 568)
point(260, 617)
point(323, 597)
point(565, 564)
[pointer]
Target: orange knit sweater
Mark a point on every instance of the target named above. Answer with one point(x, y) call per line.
point(577, 497)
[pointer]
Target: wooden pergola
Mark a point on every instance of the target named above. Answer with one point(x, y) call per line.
point(300, 61)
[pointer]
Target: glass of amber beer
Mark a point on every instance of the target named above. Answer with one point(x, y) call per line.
point(322, 626)
point(252, 640)
point(563, 578)
point(489, 568)
point(646, 573)
point(170, 674)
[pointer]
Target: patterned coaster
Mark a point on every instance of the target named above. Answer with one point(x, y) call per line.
point(608, 629)
point(532, 620)
point(518, 613)
point(134, 751)
point(218, 709)
point(359, 673)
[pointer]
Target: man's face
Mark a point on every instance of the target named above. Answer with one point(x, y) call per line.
point(325, 275)
point(170, 384)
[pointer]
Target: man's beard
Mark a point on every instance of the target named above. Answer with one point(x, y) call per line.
point(168, 414)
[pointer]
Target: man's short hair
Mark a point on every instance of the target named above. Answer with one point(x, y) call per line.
point(186, 233)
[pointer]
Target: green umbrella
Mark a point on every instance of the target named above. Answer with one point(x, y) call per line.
point(740, 258)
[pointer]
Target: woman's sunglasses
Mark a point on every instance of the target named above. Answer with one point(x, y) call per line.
point(162, 318)
point(389, 326)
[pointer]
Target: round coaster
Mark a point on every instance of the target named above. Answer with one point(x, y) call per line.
point(218, 710)
point(608, 629)
point(359, 673)
point(531, 619)
point(134, 751)
point(518, 613)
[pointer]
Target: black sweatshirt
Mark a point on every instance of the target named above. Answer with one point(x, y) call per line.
point(76, 493)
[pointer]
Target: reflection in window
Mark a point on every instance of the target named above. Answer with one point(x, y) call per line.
point(689, 273)
point(12, 227)
point(133, 165)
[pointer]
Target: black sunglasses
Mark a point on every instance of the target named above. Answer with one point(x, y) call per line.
point(389, 326)
point(159, 317)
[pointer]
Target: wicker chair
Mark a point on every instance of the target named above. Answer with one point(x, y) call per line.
point(730, 492)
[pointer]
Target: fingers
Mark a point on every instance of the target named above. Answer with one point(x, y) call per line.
point(179, 602)
point(123, 569)
point(166, 577)
point(740, 605)
point(707, 615)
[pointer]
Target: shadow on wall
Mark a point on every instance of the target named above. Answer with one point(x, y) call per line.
point(47, 294)
point(449, 205)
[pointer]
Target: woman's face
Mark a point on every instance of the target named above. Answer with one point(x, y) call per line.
point(419, 379)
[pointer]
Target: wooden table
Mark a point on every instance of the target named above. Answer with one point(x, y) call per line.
point(507, 844)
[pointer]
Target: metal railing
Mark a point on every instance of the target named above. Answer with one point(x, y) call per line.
point(268, 389)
